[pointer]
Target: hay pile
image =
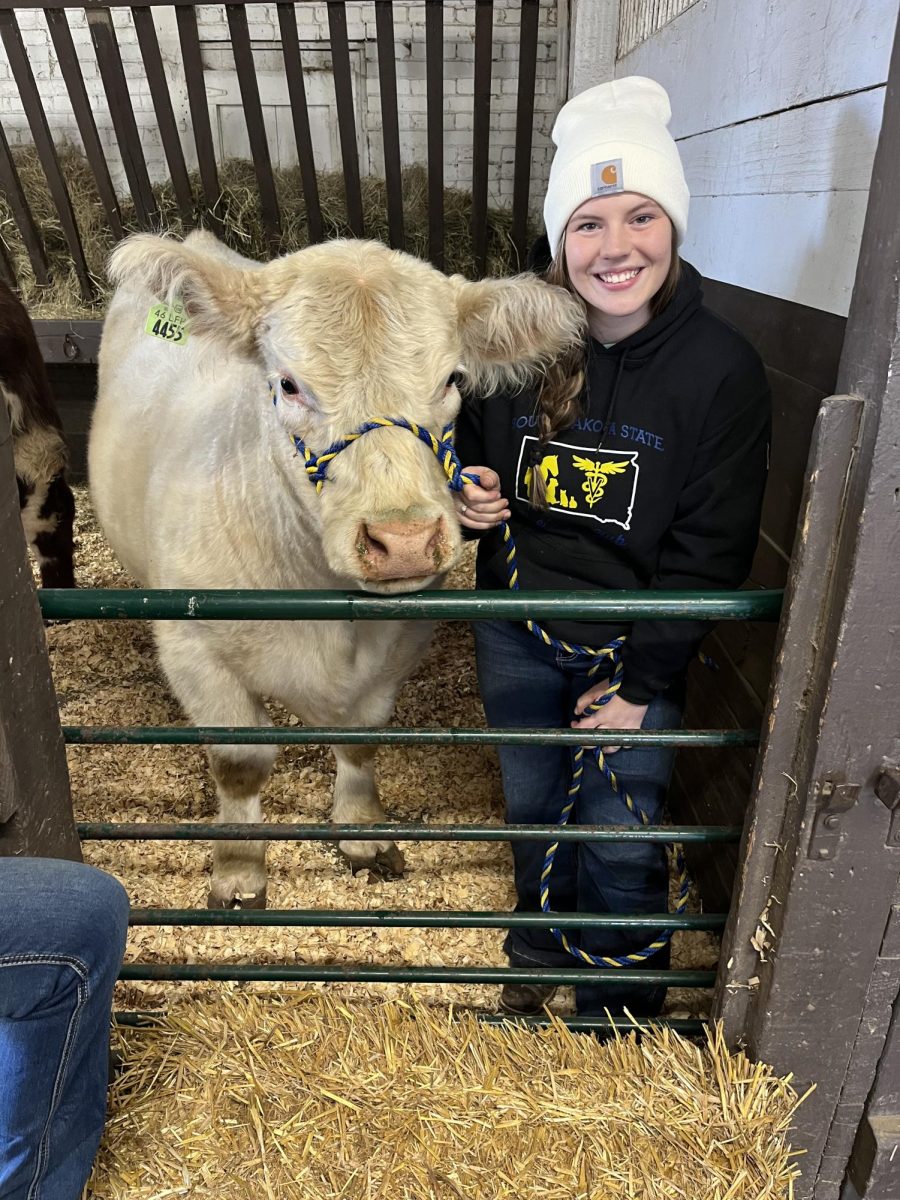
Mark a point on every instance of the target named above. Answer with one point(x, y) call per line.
point(239, 214)
point(301, 1096)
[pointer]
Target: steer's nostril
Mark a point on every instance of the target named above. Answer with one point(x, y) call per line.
point(401, 549)
point(372, 545)
point(436, 541)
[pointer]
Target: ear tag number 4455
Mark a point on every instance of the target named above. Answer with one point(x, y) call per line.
point(169, 322)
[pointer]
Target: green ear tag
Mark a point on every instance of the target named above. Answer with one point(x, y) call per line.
point(168, 322)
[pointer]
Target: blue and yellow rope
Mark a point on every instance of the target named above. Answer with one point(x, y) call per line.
point(317, 470)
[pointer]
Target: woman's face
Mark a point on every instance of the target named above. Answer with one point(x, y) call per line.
point(618, 252)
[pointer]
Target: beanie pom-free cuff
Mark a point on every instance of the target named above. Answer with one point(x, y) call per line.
point(612, 139)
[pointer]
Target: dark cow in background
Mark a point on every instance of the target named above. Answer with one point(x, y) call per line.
point(39, 451)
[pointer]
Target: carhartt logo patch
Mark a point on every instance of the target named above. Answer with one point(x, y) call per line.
point(601, 484)
point(606, 177)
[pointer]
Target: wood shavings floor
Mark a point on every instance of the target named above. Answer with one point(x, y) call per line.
point(105, 673)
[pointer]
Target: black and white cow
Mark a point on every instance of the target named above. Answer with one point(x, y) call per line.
point(39, 451)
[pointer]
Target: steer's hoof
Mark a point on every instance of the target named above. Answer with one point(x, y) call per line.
point(387, 863)
point(237, 899)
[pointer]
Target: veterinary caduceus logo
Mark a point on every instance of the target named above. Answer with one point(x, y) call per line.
point(598, 484)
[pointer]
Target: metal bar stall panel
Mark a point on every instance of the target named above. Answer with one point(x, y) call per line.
point(277, 735)
point(69, 65)
point(188, 831)
point(256, 126)
point(242, 605)
point(434, 91)
point(192, 61)
point(43, 143)
point(21, 211)
point(343, 93)
point(481, 130)
point(366, 918)
point(293, 69)
point(528, 43)
point(6, 268)
point(390, 129)
point(366, 973)
point(165, 115)
point(115, 85)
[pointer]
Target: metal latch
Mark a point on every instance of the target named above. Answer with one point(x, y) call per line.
point(835, 799)
point(887, 789)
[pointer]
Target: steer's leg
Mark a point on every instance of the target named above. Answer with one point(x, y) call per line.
point(356, 803)
point(213, 695)
point(383, 661)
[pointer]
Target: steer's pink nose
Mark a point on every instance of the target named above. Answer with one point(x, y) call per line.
point(401, 549)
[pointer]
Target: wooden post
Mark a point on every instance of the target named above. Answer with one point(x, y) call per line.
point(35, 803)
point(809, 971)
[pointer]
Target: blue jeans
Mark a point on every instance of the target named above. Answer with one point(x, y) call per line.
point(525, 683)
point(62, 937)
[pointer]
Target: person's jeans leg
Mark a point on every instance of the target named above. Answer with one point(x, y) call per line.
point(626, 877)
point(523, 686)
point(62, 938)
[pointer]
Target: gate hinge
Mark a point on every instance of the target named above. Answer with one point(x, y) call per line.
point(835, 799)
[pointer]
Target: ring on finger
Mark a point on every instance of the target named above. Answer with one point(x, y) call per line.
point(463, 509)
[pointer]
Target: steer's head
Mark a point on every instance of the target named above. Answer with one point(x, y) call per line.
point(347, 332)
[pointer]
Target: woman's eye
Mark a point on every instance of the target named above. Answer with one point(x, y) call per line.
point(643, 218)
point(288, 387)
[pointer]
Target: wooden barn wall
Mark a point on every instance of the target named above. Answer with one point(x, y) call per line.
point(776, 110)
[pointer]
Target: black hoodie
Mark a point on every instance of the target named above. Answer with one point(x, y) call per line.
point(657, 486)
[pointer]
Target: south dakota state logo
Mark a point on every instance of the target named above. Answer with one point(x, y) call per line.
point(600, 484)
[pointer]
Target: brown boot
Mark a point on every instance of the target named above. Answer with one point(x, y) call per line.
point(526, 999)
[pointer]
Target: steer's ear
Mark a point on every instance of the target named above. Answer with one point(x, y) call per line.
point(221, 297)
point(511, 328)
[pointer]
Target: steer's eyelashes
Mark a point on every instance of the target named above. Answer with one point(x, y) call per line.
point(292, 391)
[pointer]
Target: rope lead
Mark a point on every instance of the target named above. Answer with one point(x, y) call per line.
point(316, 466)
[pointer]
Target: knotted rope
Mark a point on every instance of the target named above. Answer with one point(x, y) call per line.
point(317, 471)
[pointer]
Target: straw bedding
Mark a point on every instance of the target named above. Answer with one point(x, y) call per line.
point(305, 1096)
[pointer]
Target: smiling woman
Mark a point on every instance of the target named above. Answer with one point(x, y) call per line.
point(639, 462)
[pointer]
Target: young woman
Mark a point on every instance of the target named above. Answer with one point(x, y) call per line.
point(638, 463)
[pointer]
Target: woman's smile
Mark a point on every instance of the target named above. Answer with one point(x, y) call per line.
point(604, 239)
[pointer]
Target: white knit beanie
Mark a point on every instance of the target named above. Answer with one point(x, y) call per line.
point(613, 138)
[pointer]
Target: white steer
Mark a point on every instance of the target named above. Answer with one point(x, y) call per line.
point(197, 482)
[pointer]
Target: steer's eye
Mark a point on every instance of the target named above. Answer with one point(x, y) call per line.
point(452, 381)
point(288, 387)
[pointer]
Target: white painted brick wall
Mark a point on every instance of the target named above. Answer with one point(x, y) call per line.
point(312, 23)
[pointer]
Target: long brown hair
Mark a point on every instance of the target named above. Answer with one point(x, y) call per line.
point(559, 400)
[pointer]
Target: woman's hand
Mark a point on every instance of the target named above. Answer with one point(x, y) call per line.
point(616, 714)
point(481, 507)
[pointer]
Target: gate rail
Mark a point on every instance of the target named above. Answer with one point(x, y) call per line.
point(111, 604)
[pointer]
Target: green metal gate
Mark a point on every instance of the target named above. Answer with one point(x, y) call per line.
point(221, 605)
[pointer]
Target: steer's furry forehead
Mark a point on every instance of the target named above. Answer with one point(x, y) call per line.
point(357, 315)
point(363, 326)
